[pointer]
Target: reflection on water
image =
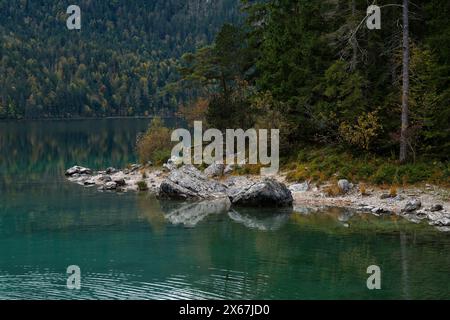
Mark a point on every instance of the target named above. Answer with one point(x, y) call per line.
point(190, 214)
point(132, 246)
point(261, 219)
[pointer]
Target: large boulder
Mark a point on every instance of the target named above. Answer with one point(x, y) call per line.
point(344, 185)
point(412, 206)
point(265, 193)
point(214, 170)
point(188, 183)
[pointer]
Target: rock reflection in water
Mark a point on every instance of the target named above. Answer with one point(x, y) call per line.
point(261, 219)
point(190, 214)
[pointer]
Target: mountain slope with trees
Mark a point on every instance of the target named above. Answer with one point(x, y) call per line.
point(118, 64)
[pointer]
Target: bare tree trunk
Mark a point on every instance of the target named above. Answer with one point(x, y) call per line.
point(405, 95)
point(354, 61)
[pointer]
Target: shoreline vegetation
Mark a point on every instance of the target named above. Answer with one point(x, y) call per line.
point(206, 190)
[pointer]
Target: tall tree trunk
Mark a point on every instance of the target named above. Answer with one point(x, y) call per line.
point(405, 95)
point(354, 61)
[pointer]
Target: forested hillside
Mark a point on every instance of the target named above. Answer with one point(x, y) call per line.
point(118, 64)
point(317, 72)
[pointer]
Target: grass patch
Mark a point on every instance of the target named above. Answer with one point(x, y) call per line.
point(325, 164)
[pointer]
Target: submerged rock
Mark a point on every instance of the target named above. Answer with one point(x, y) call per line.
point(267, 192)
point(441, 222)
point(188, 183)
point(379, 211)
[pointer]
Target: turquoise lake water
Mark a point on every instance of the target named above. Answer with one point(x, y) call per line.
point(128, 248)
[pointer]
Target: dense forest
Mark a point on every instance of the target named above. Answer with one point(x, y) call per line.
point(313, 69)
point(118, 64)
point(317, 72)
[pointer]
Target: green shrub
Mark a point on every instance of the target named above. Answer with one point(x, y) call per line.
point(155, 144)
point(142, 185)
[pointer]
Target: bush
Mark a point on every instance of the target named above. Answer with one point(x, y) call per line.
point(142, 185)
point(363, 133)
point(333, 190)
point(155, 144)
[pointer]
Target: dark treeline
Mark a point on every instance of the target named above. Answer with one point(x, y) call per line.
point(118, 64)
point(314, 70)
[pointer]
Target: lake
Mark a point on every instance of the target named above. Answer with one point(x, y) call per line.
point(128, 248)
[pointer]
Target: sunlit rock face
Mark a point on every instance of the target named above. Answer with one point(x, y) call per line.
point(267, 192)
point(188, 183)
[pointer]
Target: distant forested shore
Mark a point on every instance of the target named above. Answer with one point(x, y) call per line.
point(120, 63)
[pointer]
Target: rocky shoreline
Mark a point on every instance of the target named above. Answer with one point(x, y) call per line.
point(217, 189)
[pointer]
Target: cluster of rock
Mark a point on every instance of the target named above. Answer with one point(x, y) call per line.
point(188, 183)
point(414, 211)
point(435, 214)
point(214, 190)
point(414, 205)
point(113, 179)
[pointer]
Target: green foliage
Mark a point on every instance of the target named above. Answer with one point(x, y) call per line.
point(221, 70)
point(430, 105)
point(363, 132)
point(219, 65)
point(142, 185)
point(118, 64)
point(231, 110)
